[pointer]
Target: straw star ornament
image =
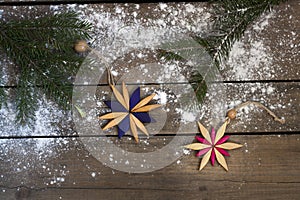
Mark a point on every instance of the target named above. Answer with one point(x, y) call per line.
point(129, 112)
point(213, 146)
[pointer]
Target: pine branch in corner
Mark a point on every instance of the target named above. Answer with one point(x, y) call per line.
point(231, 20)
point(43, 51)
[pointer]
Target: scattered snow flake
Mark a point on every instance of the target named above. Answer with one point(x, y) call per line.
point(186, 152)
point(114, 73)
point(161, 96)
point(187, 116)
point(190, 8)
point(163, 6)
point(270, 89)
point(118, 10)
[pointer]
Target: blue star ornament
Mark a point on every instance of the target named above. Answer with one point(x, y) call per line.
point(129, 112)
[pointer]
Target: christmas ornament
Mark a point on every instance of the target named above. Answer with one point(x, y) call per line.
point(129, 112)
point(213, 146)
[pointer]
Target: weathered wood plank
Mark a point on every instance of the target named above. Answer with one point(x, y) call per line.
point(267, 167)
point(259, 155)
point(269, 50)
point(217, 191)
point(281, 98)
point(37, 2)
point(262, 168)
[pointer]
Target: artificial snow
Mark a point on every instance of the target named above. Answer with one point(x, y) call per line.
point(162, 97)
point(250, 59)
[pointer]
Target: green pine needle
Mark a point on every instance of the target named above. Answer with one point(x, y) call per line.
point(43, 51)
point(189, 50)
point(199, 85)
point(231, 21)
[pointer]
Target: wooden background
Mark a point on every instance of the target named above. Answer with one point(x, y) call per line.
point(267, 167)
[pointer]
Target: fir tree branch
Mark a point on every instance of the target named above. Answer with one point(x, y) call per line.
point(231, 21)
point(25, 93)
point(201, 71)
point(199, 85)
point(43, 51)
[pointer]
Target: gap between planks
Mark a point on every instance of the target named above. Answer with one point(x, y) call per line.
point(61, 2)
point(156, 136)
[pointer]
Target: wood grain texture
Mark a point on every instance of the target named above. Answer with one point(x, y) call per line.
point(39, 166)
point(239, 190)
point(284, 101)
point(38, 2)
point(279, 38)
point(263, 168)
